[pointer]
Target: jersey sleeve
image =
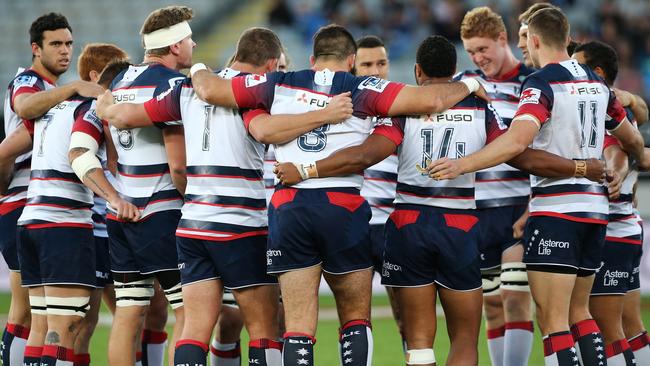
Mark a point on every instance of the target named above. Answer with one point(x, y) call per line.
point(25, 83)
point(374, 96)
point(29, 125)
point(86, 121)
point(392, 128)
point(255, 91)
point(165, 109)
point(249, 114)
point(609, 141)
point(615, 112)
point(536, 100)
point(494, 125)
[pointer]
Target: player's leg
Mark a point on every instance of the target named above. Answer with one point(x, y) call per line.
point(463, 315)
point(634, 328)
point(586, 333)
point(225, 349)
point(170, 281)
point(108, 297)
point(352, 292)
point(300, 299)
point(517, 306)
point(494, 317)
point(16, 331)
point(86, 329)
point(154, 337)
point(420, 322)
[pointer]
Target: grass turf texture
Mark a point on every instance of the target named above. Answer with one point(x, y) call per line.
point(387, 343)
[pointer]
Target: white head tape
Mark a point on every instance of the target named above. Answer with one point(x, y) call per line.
point(166, 36)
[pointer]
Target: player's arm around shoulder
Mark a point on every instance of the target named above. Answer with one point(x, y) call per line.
point(34, 105)
point(211, 88)
point(123, 115)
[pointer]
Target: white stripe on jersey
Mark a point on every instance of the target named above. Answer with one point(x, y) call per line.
point(17, 189)
point(269, 176)
point(323, 141)
point(225, 196)
point(55, 194)
point(379, 184)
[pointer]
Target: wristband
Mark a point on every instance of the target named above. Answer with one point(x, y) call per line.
point(197, 67)
point(472, 84)
point(581, 168)
point(307, 170)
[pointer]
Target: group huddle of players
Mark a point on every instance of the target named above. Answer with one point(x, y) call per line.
point(482, 188)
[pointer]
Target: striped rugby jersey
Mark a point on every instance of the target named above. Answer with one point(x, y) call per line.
point(25, 81)
point(379, 184)
point(225, 194)
point(142, 168)
point(457, 132)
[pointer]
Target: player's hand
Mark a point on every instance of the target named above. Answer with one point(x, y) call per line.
point(595, 170)
point(625, 97)
point(287, 173)
point(614, 183)
point(445, 168)
point(88, 89)
point(339, 109)
point(104, 101)
point(519, 225)
point(481, 93)
point(126, 211)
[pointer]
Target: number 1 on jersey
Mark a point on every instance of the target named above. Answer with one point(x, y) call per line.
point(582, 111)
point(206, 127)
point(445, 144)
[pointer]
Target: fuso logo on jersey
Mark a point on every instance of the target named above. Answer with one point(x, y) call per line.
point(530, 95)
point(252, 80)
point(374, 83)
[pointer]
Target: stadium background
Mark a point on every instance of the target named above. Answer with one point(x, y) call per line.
point(401, 23)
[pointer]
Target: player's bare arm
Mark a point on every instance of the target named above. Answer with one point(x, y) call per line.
point(344, 162)
point(212, 88)
point(123, 115)
point(174, 139)
point(86, 165)
point(617, 164)
point(434, 98)
point(34, 105)
point(505, 147)
point(545, 164)
point(631, 141)
point(111, 152)
point(18, 142)
point(635, 103)
point(282, 128)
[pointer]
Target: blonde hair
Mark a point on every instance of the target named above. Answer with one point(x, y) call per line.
point(482, 22)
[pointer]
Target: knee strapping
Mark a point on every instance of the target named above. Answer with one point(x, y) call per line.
point(136, 293)
point(175, 296)
point(38, 305)
point(67, 306)
point(514, 277)
point(420, 356)
point(491, 282)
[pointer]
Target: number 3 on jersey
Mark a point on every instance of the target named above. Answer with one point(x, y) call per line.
point(445, 145)
point(314, 140)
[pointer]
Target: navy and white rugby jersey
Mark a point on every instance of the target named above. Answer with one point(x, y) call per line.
point(379, 184)
point(308, 90)
point(56, 197)
point(457, 132)
point(225, 194)
point(142, 168)
point(623, 226)
point(573, 107)
point(25, 82)
point(269, 176)
point(502, 185)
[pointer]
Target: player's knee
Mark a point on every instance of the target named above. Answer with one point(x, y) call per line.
point(229, 325)
point(491, 282)
point(420, 356)
point(514, 277)
point(134, 293)
point(170, 281)
point(68, 306)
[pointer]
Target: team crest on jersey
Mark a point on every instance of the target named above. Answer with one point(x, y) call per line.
point(252, 80)
point(374, 83)
point(530, 95)
point(125, 139)
point(25, 80)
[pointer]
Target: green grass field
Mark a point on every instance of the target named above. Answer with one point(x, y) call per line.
point(387, 343)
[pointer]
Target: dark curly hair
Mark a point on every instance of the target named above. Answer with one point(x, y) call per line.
point(436, 57)
point(47, 22)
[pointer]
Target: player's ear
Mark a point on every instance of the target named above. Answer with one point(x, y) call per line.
point(94, 76)
point(312, 60)
point(272, 65)
point(36, 50)
point(417, 70)
point(350, 61)
point(175, 49)
point(502, 38)
point(599, 71)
